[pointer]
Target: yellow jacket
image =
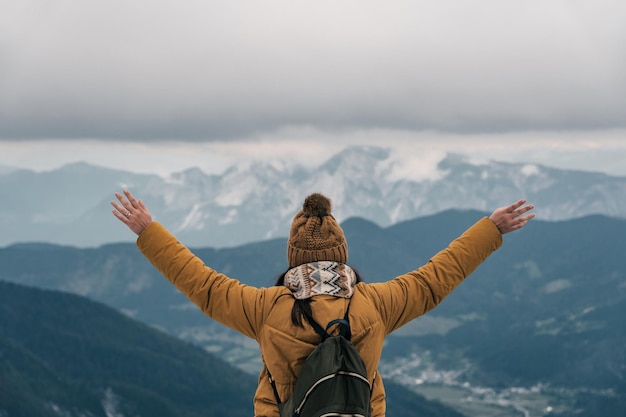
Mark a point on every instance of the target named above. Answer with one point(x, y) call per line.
point(264, 314)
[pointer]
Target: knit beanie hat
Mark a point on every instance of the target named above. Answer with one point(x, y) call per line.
point(315, 234)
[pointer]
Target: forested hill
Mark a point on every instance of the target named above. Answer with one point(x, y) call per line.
point(64, 355)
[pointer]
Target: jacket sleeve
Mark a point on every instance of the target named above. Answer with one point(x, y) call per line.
point(413, 294)
point(226, 300)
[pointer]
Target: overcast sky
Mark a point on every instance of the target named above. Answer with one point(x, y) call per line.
point(161, 84)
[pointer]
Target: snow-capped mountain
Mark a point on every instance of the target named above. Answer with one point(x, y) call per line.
point(71, 206)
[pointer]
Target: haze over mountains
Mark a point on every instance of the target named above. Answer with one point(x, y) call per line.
point(70, 205)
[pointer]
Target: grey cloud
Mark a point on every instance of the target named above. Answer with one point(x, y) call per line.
point(215, 70)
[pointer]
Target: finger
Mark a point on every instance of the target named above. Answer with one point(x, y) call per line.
point(524, 209)
point(524, 219)
point(120, 216)
point(527, 217)
point(118, 207)
point(131, 199)
point(516, 205)
point(127, 209)
point(123, 201)
point(121, 210)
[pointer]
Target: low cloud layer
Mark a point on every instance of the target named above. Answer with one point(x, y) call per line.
point(196, 70)
point(414, 155)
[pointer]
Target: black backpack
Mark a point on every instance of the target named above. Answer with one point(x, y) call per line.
point(333, 380)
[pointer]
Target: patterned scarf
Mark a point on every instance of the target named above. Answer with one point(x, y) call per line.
point(324, 277)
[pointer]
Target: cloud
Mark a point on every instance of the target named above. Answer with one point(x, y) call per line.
point(196, 70)
point(413, 154)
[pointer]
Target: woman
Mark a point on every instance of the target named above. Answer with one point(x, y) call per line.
point(319, 281)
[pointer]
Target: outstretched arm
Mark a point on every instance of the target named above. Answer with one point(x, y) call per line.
point(132, 212)
point(510, 218)
point(228, 301)
point(413, 294)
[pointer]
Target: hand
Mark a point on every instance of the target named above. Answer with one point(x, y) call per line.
point(508, 219)
point(133, 213)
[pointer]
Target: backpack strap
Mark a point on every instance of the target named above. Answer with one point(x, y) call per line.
point(344, 326)
point(273, 384)
point(318, 329)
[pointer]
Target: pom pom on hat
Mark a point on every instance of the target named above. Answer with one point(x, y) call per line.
point(315, 235)
point(316, 205)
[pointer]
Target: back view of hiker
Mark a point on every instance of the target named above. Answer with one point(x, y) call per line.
point(318, 285)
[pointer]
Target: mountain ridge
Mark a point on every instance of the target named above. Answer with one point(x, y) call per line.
point(70, 205)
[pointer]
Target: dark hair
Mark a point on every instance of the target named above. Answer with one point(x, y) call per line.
point(302, 308)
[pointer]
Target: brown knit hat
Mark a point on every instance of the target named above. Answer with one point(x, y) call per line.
point(315, 234)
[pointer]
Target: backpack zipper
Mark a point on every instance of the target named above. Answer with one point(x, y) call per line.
point(326, 378)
